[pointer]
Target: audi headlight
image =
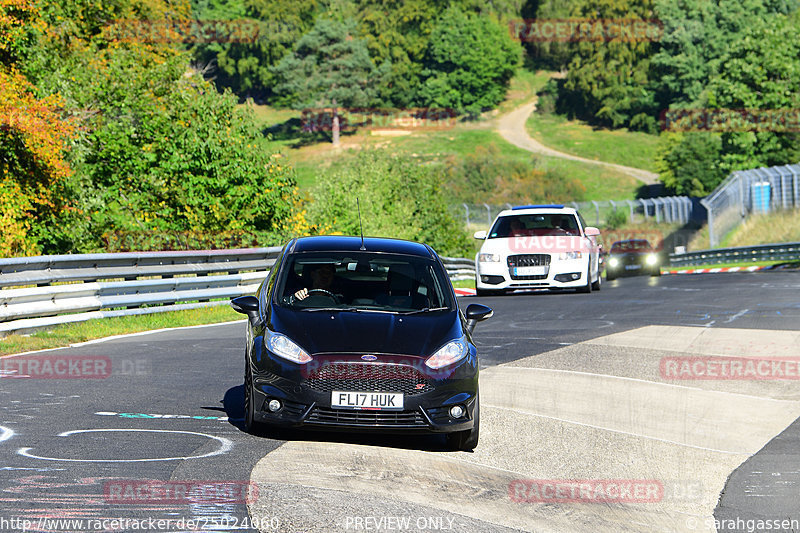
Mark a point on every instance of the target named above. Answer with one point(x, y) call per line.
point(570, 255)
point(450, 353)
point(651, 259)
point(613, 262)
point(283, 346)
point(488, 258)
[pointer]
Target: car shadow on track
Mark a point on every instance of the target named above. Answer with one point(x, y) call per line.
point(233, 405)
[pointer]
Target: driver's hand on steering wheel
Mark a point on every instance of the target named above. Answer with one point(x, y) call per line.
point(302, 294)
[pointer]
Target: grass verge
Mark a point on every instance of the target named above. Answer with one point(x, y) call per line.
point(630, 148)
point(771, 228)
point(67, 334)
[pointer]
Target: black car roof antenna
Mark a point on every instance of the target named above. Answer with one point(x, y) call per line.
point(361, 225)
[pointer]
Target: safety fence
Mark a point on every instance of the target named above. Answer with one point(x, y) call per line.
point(744, 192)
point(789, 252)
point(667, 209)
point(49, 290)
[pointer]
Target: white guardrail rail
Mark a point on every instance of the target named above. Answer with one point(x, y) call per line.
point(44, 291)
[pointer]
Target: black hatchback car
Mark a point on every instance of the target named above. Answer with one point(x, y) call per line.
point(346, 334)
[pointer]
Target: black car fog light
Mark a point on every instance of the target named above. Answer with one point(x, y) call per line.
point(274, 405)
point(457, 411)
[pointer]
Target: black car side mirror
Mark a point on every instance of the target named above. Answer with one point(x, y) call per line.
point(476, 313)
point(247, 305)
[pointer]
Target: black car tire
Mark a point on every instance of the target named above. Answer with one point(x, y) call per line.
point(610, 276)
point(466, 441)
point(250, 424)
point(656, 273)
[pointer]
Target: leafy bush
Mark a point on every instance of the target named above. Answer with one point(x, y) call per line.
point(32, 165)
point(153, 148)
point(548, 97)
point(487, 176)
point(616, 219)
point(168, 153)
point(398, 197)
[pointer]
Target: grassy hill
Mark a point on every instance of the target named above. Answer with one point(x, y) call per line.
point(630, 148)
point(312, 154)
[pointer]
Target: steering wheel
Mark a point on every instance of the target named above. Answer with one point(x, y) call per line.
point(324, 293)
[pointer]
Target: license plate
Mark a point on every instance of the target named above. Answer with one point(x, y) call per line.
point(633, 267)
point(530, 271)
point(370, 401)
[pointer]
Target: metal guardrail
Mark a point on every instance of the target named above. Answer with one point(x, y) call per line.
point(742, 254)
point(49, 290)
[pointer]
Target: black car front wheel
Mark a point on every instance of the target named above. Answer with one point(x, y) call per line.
point(250, 424)
point(466, 441)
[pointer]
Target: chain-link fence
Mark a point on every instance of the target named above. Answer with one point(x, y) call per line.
point(744, 192)
point(671, 209)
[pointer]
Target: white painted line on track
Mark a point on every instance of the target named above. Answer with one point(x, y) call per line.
point(5, 433)
point(225, 446)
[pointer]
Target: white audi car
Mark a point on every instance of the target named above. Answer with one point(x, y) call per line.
point(538, 247)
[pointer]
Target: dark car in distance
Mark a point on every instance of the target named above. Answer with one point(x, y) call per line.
point(632, 257)
point(359, 335)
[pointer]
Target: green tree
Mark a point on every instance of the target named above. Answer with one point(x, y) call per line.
point(697, 35)
point(245, 65)
point(398, 197)
point(468, 63)
point(166, 152)
point(158, 149)
point(607, 80)
point(761, 73)
point(689, 163)
point(329, 68)
point(398, 33)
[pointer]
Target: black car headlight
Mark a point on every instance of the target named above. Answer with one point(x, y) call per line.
point(284, 347)
point(450, 353)
point(651, 259)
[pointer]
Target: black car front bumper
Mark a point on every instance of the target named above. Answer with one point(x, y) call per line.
point(307, 402)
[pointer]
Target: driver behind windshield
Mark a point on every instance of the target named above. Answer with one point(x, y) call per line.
point(322, 276)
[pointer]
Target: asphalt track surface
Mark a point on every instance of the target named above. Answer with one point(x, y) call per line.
point(571, 389)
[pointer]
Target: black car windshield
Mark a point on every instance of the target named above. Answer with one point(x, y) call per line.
point(538, 225)
point(364, 281)
point(620, 247)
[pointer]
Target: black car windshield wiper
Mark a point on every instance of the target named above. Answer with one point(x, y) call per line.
point(425, 310)
point(313, 309)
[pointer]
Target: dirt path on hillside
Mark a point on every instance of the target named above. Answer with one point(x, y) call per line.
point(511, 127)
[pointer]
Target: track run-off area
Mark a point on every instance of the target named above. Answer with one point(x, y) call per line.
point(656, 404)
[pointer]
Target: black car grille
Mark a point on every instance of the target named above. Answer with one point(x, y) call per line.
point(526, 260)
point(369, 378)
point(324, 415)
